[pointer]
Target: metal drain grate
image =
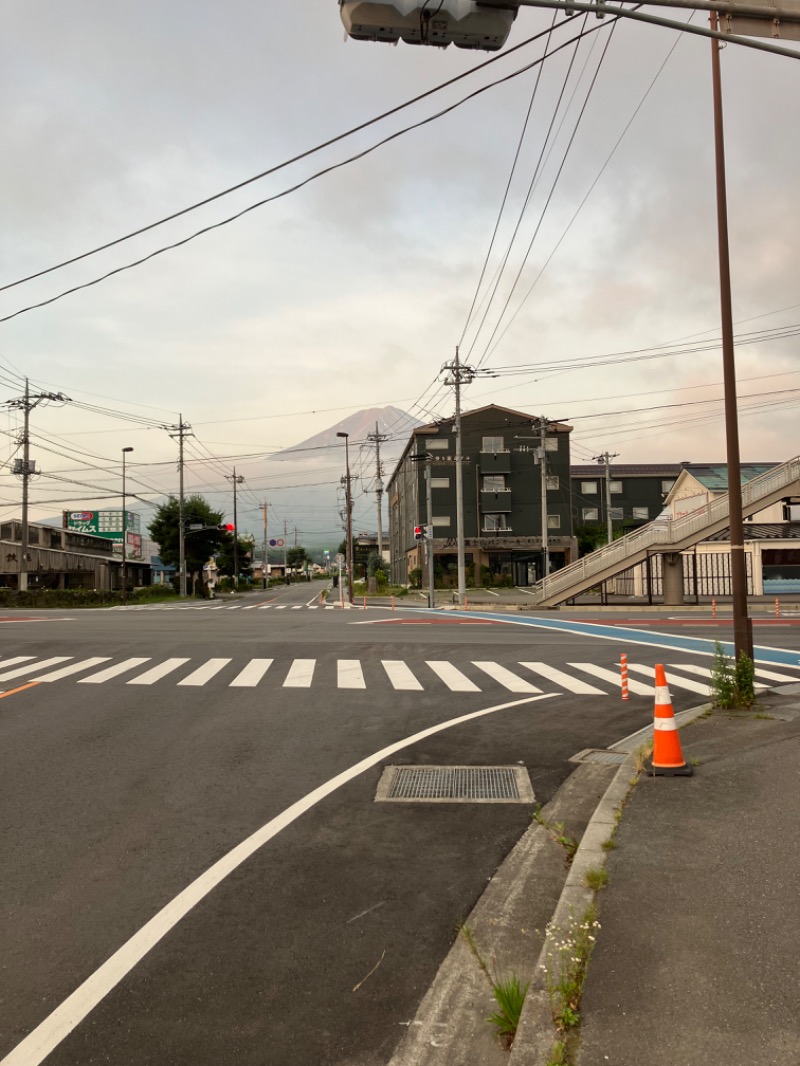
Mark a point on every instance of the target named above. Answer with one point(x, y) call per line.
point(610, 758)
point(455, 784)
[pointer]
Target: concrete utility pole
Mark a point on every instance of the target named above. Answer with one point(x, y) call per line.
point(543, 466)
point(742, 625)
point(606, 457)
point(125, 451)
point(264, 578)
point(349, 517)
point(182, 430)
point(377, 438)
point(25, 467)
point(457, 375)
point(429, 533)
point(237, 480)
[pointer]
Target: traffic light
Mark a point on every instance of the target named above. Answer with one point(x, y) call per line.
point(226, 527)
point(419, 533)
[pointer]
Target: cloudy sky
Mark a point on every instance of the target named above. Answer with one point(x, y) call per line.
point(351, 291)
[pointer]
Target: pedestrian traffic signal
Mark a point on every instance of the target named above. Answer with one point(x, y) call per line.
point(226, 527)
point(418, 533)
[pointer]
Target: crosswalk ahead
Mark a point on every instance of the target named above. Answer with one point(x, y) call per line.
point(522, 677)
point(229, 607)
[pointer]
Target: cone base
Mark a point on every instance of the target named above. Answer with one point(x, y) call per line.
point(670, 771)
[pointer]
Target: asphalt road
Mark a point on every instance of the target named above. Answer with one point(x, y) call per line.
point(181, 732)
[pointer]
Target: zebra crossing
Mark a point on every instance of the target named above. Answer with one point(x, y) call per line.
point(229, 607)
point(522, 677)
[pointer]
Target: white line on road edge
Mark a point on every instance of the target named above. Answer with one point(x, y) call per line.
point(58, 1025)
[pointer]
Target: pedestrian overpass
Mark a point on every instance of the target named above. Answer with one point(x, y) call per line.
point(669, 537)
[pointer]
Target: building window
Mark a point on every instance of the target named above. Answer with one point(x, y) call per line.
point(495, 521)
point(438, 444)
point(590, 514)
point(554, 521)
point(440, 482)
point(553, 482)
point(494, 483)
point(441, 520)
point(551, 444)
point(666, 486)
point(588, 488)
point(615, 514)
point(641, 512)
point(615, 486)
point(493, 444)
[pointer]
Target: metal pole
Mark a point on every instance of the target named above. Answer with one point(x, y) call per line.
point(236, 481)
point(543, 463)
point(742, 625)
point(23, 556)
point(124, 531)
point(429, 539)
point(264, 578)
point(349, 518)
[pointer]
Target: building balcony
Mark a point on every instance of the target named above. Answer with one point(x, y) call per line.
point(492, 502)
point(495, 462)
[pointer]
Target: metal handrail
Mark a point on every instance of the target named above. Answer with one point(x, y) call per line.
point(664, 534)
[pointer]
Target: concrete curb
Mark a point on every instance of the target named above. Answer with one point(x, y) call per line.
point(537, 1034)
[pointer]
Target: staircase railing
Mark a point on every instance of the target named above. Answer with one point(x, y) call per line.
point(667, 532)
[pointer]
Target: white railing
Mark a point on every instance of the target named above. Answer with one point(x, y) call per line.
point(666, 533)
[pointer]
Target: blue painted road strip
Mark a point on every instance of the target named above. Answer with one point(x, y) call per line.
point(624, 634)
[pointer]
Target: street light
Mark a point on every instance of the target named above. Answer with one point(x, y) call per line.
point(348, 523)
point(124, 532)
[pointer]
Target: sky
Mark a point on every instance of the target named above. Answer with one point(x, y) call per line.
point(353, 290)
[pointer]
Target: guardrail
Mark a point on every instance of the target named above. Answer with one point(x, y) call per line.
point(665, 534)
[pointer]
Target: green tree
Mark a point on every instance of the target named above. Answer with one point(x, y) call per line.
point(200, 545)
point(296, 557)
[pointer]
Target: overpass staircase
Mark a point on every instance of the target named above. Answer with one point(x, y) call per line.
point(664, 537)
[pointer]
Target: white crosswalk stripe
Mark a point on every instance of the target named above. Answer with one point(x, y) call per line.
point(349, 674)
point(505, 678)
point(113, 671)
point(151, 676)
point(704, 671)
point(205, 672)
point(31, 668)
point(673, 680)
point(400, 676)
point(252, 673)
point(73, 668)
point(562, 680)
point(613, 678)
point(301, 674)
point(452, 676)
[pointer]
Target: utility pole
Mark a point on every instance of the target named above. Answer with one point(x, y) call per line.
point(125, 451)
point(237, 480)
point(429, 532)
point(543, 466)
point(349, 517)
point(25, 467)
point(456, 375)
point(285, 552)
point(742, 625)
point(264, 578)
point(606, 457)
point(182, 430)
point(377, 438)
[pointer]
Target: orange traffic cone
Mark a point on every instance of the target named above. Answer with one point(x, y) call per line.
point(668, 760)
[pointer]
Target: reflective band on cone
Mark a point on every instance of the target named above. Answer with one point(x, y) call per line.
point(668, 760)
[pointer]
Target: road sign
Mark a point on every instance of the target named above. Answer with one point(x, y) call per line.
point(339, 558)
point(277, 542)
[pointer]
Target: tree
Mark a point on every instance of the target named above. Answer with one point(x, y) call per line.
point(200, 545)
point(225, 555)
point(296, 557)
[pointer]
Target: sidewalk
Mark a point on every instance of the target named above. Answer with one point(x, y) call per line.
point(696, 961)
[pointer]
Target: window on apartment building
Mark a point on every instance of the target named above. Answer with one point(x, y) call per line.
point(554, 521)
point(615, 514)
point(551, 444)
point(590, 514)
point(440, 482)
point(441, 520)
point(494, 483)
point(493, 444)
point(641, 512)
point(616, 486)
point(438, 444)
point(553, 481)
point(588, 488)
point(666, 486)
point(495, 521)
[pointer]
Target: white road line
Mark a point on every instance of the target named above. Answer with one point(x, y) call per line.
point(313, 606)
point(113, 671)
point(281, 607)
point(149, 677)
point(299, 607)
point(224, 607)
point(33, 667)
point(567, 681)
point(204, 673)
point(349, 674)
point(17, 659)
point(452, 676)
point(506, 678)
point(702, 671)
point(400, 676)
point(673, 680)
point(613, 678)
point(252, 673)
point(301, 674)
point(73, 668)
point(250, 607)
point(265, 607)
point(38, 1044)
point(773, 675)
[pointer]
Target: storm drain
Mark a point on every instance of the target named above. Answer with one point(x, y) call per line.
point(455, 784)
point(602, 755)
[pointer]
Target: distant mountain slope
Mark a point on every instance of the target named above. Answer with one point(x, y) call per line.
point(391, 422)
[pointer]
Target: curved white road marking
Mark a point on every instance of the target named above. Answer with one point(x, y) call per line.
point(58, 1025)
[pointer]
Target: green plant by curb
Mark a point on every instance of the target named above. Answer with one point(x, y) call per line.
point(557, 832)
point(732, 683)
point(509, 994)
point(596, 879)
point(566, 965)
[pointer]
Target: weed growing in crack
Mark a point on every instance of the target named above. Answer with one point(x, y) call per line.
point(557, 832)
point(565, 967)
point(596, 879)
point(510, 996)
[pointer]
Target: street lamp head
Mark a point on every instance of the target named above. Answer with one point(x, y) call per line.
point(342, 434)
point(127, 449)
